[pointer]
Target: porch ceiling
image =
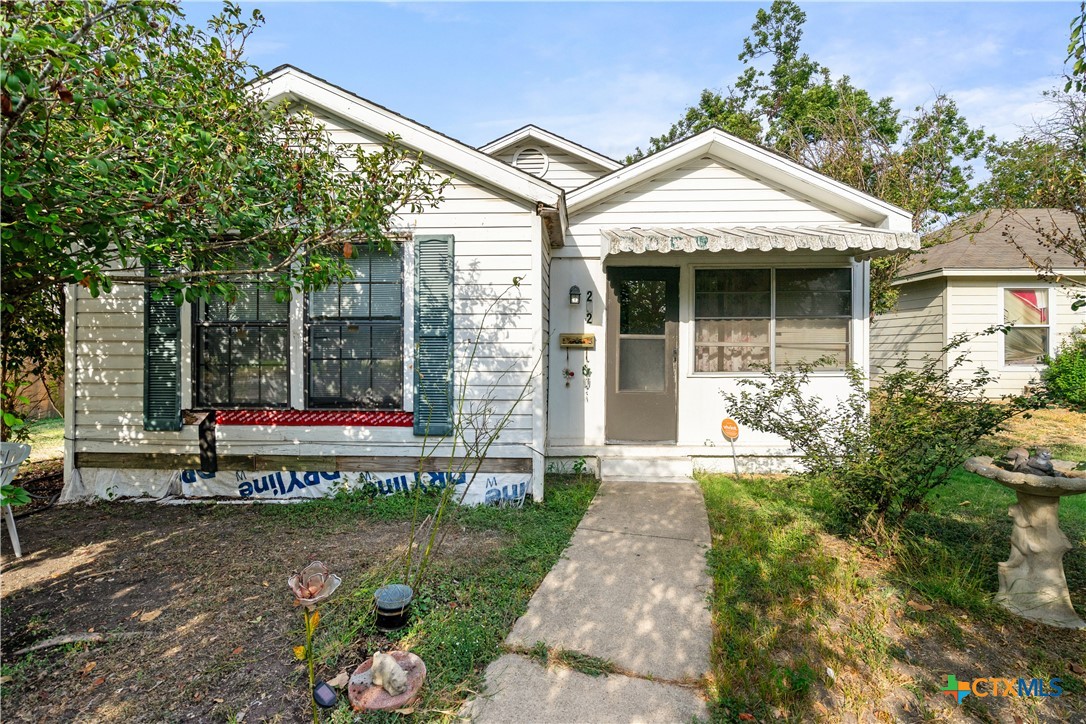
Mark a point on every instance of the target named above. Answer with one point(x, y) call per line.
point(860, 240)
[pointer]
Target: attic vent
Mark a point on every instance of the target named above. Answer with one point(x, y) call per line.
point(532, 160)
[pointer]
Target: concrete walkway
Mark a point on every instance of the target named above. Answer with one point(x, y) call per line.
point(631, 589)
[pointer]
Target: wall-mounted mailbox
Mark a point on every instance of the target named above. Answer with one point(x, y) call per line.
point(577, 341)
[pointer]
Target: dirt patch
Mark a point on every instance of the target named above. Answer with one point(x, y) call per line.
point(202, 586)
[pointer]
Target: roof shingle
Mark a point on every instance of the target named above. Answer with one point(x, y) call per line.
point(986, 240)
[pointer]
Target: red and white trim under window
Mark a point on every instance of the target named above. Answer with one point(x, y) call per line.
point(1026, 342)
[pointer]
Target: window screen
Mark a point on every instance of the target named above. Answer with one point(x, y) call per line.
point(750, 318)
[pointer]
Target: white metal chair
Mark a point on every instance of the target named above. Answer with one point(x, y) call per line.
point(12, 455)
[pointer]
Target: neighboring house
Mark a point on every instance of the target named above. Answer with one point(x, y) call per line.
point(675, 275)
point(978, 278)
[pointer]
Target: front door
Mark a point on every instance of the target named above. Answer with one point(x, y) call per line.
point(642, 354)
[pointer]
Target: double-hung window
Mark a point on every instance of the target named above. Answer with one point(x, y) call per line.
point(1026, 342)
point(242, 350)
point(746, 319)
point(355, 336)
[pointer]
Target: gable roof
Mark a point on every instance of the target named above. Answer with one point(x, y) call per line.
point(544, 136)
point(289, 83)
point(747, 157)
point(983, 242)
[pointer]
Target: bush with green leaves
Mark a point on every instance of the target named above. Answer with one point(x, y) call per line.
point(1065, 377)
point(879, 452)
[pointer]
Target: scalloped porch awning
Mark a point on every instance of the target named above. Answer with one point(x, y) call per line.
point(858, 240)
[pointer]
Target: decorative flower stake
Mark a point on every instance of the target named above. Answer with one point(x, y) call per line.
point(313, 585)
point(310, 587)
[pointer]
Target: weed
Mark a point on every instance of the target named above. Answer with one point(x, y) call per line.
point(539, 653)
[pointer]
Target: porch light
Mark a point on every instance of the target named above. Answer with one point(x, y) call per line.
point(574, 295)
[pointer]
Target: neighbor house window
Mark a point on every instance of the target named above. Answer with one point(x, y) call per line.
point(241, 350)
point(745, 319)
point(1026, 342)
point(355, 335)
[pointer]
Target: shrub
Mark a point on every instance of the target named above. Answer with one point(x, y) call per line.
point(1065, 376)
point(880, 451)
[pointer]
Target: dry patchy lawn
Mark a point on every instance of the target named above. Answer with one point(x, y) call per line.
point(200, 592)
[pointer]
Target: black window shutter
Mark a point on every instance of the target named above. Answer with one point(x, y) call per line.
point(161, 362)
point(433, 334)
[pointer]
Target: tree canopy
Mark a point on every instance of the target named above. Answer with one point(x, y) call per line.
point(1046, 168)
point(788, 102)
point(782, 97)
point(136, 149)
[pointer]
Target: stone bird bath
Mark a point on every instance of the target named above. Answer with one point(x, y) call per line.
point(1031, 582)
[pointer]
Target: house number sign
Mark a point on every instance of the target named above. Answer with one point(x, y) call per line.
point(577, 341)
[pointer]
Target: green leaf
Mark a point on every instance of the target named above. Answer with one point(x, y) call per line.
point(13, 495)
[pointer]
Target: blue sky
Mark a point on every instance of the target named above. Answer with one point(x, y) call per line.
point(610, 75)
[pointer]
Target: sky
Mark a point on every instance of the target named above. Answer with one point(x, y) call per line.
point(610, 75)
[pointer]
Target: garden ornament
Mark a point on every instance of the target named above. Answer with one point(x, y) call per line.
point(388, 674)
point(310, 587)
point(1032, 583)
point(1041, 462)
point(1016, 458)
point(313, 585)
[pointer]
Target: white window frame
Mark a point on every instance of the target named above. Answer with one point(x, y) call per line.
point(852, 339)
point(296, 341)
point(1001, 292)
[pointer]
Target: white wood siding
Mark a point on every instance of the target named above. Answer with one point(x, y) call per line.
point(976, 303)
point(493, 243)
point(703, 192)
point(565, 170)
point(913, 329)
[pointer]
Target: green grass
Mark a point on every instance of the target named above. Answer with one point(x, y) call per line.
point(46, 439)
point(590, 665)
point(950, 548)
point(469, 602)
point(772, 583)
point(790, 601)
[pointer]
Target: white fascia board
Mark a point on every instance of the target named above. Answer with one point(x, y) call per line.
point(627, 176)
point(988, 273)
point(291, 84)
point(545, 136)
point(760, 162)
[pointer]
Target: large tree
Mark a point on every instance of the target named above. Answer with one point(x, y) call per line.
point(782, 97)
point(136, 150)
point(1046, 167)
point(785, 100)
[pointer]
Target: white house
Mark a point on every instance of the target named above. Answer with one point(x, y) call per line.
point(978, 277)
point(598, 308)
